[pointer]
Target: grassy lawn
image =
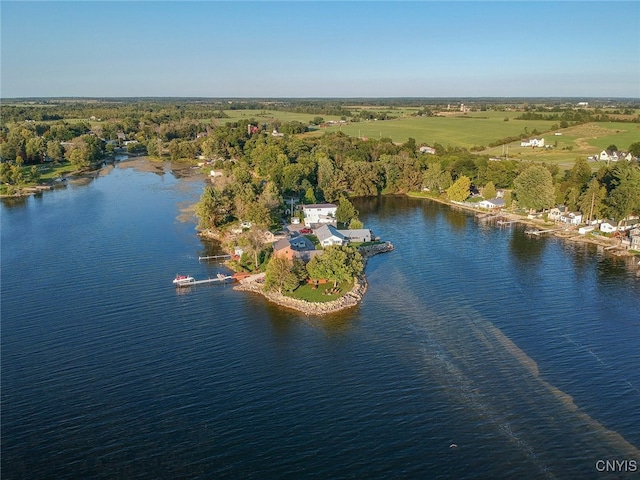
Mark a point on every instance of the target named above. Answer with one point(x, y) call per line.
point(52, 171)
point(306, 292)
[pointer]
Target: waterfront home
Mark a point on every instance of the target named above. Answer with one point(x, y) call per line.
point(585, 230)
point(492, 203)
point(607, 227)
point(359, 235)
point(293, 247)
point(282, 249)
point(570, 218)
point(329, 235)
point(319, 213)
point(555, 212)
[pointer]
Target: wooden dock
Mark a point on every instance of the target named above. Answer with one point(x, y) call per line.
point(537, 232)
point(214, 257)
point(219, 279)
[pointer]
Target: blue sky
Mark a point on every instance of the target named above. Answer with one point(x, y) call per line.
point(320, 49)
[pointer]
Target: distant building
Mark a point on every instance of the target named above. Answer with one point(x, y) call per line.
point(429, 150)
point(533, 142)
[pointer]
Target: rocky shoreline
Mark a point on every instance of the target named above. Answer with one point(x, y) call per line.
point(348, 300)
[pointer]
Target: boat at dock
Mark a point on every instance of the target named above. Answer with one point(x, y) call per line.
point(181, 280)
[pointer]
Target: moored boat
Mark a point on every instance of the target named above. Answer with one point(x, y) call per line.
point(183, 280)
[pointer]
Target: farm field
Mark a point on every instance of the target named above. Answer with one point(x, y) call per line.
point(266, 116)
point(575, 142)
point(459, 130)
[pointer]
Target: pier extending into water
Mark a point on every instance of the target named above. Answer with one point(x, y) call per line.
point(214, 257)
point(535, 231)
point(220, 278)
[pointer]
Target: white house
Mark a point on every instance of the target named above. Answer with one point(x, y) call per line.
point(492, 203)
point(607, 227)
point(556, 212)
point(533, 142)
point(585, 230)
point(328, 235)
point(608, 156)
point(319, 213)
point(571, 218)
point(430, 150)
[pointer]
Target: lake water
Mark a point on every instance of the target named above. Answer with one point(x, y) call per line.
point(522, 352)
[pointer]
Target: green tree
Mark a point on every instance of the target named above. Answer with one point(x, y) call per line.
point(54, 150)
point(591, 201)
point(459, 191)
point(534, 188)
point(36, 148)
point(624, 198)
point(153, 147)
point(580, 173)
point(489, 191)
point(310, 196)
point(345, 211)
point(213, 209)
point(634, 149)
point(79, 155)
point(34, 174)
point(355, 224)
point(280, 276)
point(336, 263)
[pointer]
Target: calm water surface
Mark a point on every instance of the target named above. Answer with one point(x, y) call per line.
point(525, 353)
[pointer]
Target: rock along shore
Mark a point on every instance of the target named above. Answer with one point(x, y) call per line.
point(348, 300)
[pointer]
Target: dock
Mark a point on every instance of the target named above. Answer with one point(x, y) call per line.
point(214, 257)
point(506, 223)
point(218, 279)
point(537, 232)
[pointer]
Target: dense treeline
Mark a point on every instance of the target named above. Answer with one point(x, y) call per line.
point(580, 116)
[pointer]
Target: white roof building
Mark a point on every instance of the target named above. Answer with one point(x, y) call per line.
point(319, 213)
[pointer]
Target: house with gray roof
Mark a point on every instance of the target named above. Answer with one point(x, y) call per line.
point(492, 203)
point(329, 235)
point(359, 235)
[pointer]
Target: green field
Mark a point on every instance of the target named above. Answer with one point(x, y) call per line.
point(468, 130)
point(266, 116)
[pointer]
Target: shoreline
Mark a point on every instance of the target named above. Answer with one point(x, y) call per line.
point(569, 233)
point(350, 299)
